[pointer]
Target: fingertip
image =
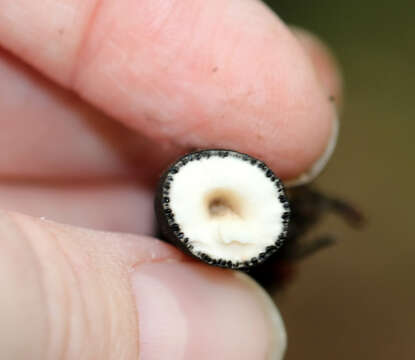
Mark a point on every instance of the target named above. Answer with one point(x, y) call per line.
point(328, 74)
point(188, 310)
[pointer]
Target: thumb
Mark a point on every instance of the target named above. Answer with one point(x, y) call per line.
point(69, 293)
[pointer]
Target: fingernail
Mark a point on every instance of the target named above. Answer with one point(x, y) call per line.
point(322, 161)
point(191, 311)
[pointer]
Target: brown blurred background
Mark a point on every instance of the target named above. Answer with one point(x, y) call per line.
point(356, 300)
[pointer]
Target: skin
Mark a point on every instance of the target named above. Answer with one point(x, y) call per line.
point(97, 97)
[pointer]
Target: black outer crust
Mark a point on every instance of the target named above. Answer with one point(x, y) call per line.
point(171, 231)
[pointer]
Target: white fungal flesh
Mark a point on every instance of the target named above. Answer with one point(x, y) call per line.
point(227, 208)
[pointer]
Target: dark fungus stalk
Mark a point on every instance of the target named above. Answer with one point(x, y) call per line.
point(229, 209)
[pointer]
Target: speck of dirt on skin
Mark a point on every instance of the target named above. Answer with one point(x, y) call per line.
point(332, 98)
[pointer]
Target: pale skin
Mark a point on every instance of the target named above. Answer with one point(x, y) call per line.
point(96, 98)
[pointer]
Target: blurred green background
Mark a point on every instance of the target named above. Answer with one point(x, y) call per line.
point(356, 300)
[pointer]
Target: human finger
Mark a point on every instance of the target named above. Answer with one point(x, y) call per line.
point(183, 82)
point(78, 294)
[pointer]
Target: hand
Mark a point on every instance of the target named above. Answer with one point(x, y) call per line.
point(96, 98)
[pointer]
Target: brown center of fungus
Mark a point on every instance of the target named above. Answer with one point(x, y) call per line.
point(223, 203)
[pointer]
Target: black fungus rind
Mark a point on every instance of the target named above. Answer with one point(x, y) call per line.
point(171, 231)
